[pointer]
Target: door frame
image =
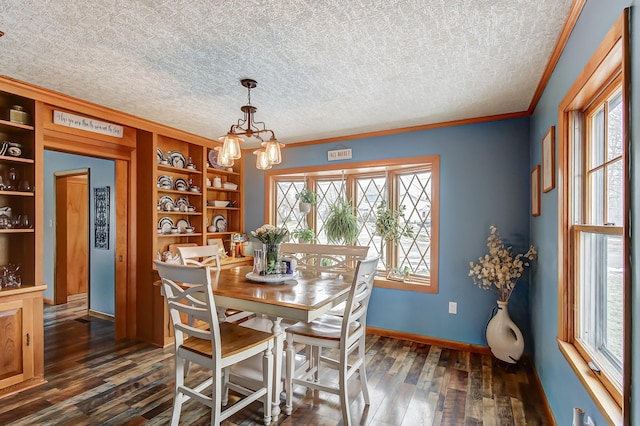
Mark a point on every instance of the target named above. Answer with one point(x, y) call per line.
point(57, 293)
point(125, 172)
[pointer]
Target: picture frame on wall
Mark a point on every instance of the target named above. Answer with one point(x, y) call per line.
point(535, 191)
point(549, 160)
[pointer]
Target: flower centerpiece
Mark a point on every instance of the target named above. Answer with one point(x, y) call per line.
point(271, 237)
point(498, 271)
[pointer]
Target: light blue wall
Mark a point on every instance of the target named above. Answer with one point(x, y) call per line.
point(484, 181)
point(561, 386)
point(102, 266)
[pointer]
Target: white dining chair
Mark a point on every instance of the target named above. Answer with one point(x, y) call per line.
point(345, 333)
point(200, 255)
point(209, 256)
point(212, 345)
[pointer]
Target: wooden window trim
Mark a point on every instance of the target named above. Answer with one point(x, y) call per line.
point(610, 61)
point(399, 165)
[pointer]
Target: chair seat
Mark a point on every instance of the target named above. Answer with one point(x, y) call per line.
point(327, 327)
point(233, 338)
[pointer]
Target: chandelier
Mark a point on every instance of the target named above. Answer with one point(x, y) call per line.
point(269, 154)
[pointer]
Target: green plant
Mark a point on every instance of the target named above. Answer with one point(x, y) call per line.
point(391, 224)
point(341, 226)
point(306, 196)
point(304, 234)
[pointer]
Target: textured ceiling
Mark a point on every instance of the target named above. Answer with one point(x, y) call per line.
point(325, 68)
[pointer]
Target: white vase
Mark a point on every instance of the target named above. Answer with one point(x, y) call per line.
point(504, 337)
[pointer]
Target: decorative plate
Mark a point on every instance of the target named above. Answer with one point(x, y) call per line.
point(180, 185)
point(272, 278)
point(159, 155)
point(166, 203)
point(213, 159)
point(165, 180)
point(182, 226)
point(182, 202)
point(220, 223)
point(165, 224)
point(176, 159)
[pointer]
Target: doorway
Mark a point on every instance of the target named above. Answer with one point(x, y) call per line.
point(72, 235)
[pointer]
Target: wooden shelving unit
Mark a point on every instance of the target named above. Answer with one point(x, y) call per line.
point(21, 308)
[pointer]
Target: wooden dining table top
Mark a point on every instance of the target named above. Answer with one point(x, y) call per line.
point(307, 296)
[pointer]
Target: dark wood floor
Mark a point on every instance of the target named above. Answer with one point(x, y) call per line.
point(94, 380)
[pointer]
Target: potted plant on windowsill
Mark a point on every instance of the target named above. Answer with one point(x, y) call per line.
point(304, 235)
point(341, 226)
point(306, 198)
point(391, 226)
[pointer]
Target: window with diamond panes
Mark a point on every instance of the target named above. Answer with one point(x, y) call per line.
point(410, 187)
point(328, 191)
point(370, 191)
point(287, 213)
point(414, 192)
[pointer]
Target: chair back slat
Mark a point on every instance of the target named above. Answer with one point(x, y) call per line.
point(200, 255)
point(325, 257)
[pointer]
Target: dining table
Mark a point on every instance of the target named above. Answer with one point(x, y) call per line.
point(304, 296)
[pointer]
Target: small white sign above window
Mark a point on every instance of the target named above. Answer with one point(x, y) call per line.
point(88, 124)
point(339, 154)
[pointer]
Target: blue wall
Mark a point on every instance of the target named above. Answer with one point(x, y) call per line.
point(561, 385)
point(102, 262)
point(484, 181)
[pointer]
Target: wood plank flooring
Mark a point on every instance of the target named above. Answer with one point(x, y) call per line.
point(94, 380)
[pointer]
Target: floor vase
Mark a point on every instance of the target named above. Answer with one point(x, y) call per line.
point(504, 337)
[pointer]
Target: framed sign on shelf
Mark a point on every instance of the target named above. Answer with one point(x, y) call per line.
point(549, 160)
point(535, 191)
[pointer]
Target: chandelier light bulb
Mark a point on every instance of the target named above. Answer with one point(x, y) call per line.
point(262, 162)
point(231, 145)
point(224, 159)
point(272, 149)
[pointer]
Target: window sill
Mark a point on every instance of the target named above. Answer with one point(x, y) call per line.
point(407, 286)
point(603, 399)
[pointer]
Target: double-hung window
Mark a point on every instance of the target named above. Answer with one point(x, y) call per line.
point(409, 183)
point(594, 243)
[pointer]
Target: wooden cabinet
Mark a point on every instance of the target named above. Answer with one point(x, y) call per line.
point(21, 339)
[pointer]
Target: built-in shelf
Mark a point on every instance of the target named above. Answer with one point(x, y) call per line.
point(183, 170)
point(16, 159)
point(15, 126)
point(16, 231)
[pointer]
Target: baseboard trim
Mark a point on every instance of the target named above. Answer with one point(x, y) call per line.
point(47, 301)
point(427, 340)
point(102, 315)
point(538, 383)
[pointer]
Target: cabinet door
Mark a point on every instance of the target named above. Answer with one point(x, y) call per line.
point(16, 349)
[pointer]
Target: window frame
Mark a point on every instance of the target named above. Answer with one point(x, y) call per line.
point(609, 64)
point(368, 168)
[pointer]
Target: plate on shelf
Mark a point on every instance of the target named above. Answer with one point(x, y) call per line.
point(220, 223)
point(182, 226)
point(180, 185)
point(159, 155)
point(166, 203)
point(165, 224)
point(271, 279)
point(176, 159)
point(165, 181)
point(182, 202)
point(213, 159)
